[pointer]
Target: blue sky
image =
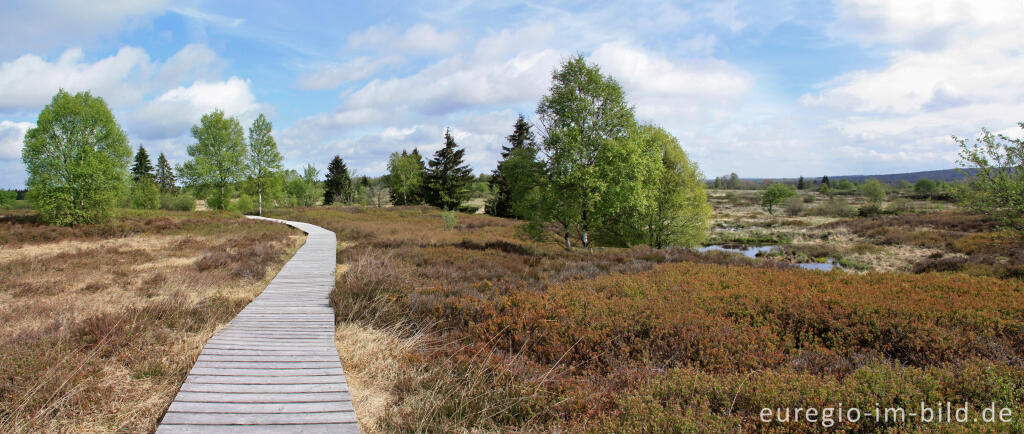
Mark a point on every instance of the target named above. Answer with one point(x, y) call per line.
point(764, 90)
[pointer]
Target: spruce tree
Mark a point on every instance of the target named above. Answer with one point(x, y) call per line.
point(164, 174)
point(521, 138)
point(824, 181)
point(447, 178)
point(142, 167)
point(337, 184)
point(800, 183)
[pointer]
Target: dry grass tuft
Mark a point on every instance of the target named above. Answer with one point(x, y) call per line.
point(102, 322)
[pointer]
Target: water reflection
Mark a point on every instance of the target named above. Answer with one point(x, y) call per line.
point(753, 251)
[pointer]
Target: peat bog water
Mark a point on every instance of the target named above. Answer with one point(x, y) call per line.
point(753, 251)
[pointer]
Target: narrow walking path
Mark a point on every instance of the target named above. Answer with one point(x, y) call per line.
point(274, 368)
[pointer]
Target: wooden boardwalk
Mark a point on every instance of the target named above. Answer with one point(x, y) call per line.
point(274, 368)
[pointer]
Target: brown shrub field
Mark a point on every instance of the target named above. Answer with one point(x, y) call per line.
point(102, 322)
point(494, 332)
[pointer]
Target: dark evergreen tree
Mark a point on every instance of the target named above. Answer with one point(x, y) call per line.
point(447, 178)
point(521, 138)
point(824, 181)
point(338, 184)
point(800, 183)
point(142, 167)
point(164, 175)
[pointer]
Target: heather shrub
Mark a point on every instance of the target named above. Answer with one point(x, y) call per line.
point(793, 206)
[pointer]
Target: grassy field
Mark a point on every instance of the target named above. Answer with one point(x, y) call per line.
point(475, 328)
point(102, 322)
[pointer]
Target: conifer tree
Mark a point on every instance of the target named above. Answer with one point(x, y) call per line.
point(164, 174)
point(142, 166)
point(447, 178)
point(337, 184)
point(800, 183)
point(520, 139)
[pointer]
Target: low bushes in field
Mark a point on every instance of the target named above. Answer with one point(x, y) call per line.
point(529, 335)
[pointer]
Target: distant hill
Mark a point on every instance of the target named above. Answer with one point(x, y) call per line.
point(947, 175)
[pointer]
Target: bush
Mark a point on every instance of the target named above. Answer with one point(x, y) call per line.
point(869, 210)
point(182, 202)
point(450, 220)
point(808, 199)
point(836, 207)
point(898, 206)
point(245, 204)
point(7, 198)
point(144, 195)
point(794, 206)
point(468, 209)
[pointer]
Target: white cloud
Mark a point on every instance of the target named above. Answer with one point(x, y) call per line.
point(333, 76)
point(12, 135)
point(458, 82)
point(124, 78)
point(421, 38)
point(919, 24)
point(954, 67)
point(172, 113)
point(29, 82)
point(45, 24)
point(665, 89)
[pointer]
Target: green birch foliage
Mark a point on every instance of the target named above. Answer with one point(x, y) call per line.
point(680, 214)
point(218, 157)
point(145, 194)
point(583, 114)
point(263, 160)
point(77, 160)
point(405, 177)
point(994, 165)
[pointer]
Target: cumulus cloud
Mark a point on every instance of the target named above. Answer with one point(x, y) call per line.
point(173, 112)
point(28, 82)
point(919, 24)
point(954, 67)
point(421, 38)
point(459, 82)
point(12, 135)
point(333, 76)
point(664, 89)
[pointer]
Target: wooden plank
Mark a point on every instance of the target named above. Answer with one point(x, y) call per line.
point(264, 388)
point(274, 372)
point(256, 379)
point(337, 428)
point(263, 397)
point(258, 419)
point(260, 407)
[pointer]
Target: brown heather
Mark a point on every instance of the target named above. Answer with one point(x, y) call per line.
point(477, 329)
point(102, 322)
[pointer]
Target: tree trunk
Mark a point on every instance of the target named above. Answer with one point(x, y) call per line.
point(260, 194)
point(568, 242)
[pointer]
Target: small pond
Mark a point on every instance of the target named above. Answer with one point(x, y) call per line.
point(753, 251)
